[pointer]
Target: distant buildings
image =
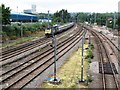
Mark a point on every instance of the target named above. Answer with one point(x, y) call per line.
point(45, 20)
point(32, 10)
point(27, 11)
point(28, 15)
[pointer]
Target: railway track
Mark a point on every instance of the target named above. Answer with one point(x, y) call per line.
point(113, 47)
point(29, 58)
point(111, 42)
point(23, 48)
point(8, 53)
point(23, 52)
point(109, 78)
point(20, 76)
point(33, 56)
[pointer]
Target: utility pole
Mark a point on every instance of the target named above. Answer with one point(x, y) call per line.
point(54, 58)
point(90, 20)
point(48, 20)
point(62, 16)
point(82, 61)
point(17, 14)
point(95, 19)
point(21, 31)
point(114, 20)
point(106, 23)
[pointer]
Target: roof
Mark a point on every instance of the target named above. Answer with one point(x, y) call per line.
point(16, 13)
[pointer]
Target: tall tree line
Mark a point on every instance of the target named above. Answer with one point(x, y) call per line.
point(61, 16)
point(99, 18)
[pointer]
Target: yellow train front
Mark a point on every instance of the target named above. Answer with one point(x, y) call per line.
point(48, 32)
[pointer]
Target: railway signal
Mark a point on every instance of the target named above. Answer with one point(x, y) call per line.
point(54, 42)
point(54, 80)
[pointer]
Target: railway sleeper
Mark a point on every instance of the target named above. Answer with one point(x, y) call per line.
point(107, 68)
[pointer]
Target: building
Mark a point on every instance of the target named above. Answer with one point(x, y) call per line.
point(22, 17)
point(32, 10)
point(27, 11)
point(45, 20)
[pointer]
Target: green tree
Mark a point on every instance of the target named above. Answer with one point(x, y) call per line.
point(5, 14)
point(61, 16)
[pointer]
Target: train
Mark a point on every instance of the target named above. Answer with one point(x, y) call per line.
point(58, 29)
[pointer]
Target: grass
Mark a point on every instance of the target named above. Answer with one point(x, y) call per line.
point(70, 72)
point(24, 39)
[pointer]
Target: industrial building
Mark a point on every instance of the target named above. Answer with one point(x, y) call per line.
point(18, 17)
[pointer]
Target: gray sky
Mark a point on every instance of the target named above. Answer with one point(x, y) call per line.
point(70, 5)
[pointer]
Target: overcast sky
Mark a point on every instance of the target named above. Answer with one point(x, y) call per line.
point(71, 5)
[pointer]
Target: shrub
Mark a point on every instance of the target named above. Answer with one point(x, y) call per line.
point(13, 37)
point(13, 31)
point(27, 33)
point(89, 54)
point(4, 36)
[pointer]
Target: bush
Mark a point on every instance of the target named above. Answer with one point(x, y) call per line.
point(13, 37)
point(89, 54)
point(27, 33)
point(4, 36)
point(14, 31)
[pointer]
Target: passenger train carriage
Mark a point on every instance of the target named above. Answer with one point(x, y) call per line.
point(58, 29)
